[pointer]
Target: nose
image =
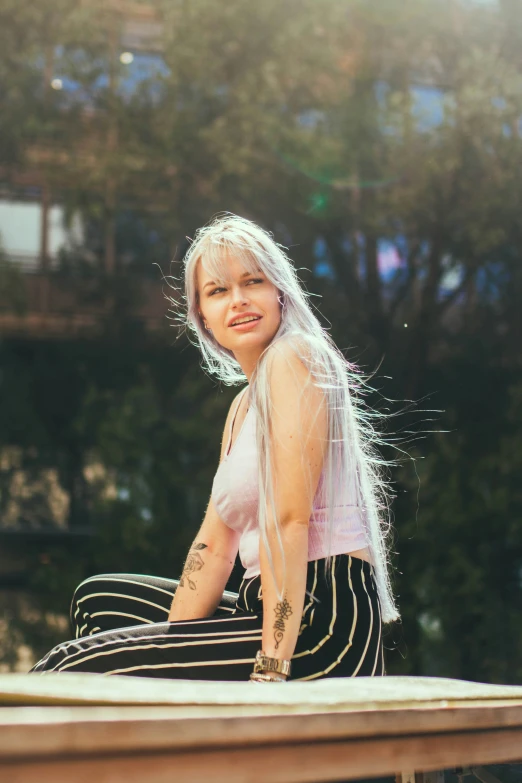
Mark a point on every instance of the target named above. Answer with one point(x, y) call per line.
point(239, 295)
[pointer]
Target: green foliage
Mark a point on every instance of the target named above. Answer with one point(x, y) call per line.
point(129, 428)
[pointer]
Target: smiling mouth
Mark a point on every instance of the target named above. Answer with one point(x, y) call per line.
point(244, 323)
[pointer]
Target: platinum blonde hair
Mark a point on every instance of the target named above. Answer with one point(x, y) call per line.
point(352, 460)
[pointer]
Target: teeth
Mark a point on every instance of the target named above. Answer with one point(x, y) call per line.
point(245, 320)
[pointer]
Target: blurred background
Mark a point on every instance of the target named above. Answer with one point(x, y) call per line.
point(381, 142)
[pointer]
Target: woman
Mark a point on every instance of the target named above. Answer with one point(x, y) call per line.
point(298, 492)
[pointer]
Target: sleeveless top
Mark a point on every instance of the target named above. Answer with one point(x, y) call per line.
point(235, 495)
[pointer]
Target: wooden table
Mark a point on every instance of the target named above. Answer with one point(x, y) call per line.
point(85, 728)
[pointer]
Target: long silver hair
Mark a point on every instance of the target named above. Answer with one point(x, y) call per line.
point(352, 459)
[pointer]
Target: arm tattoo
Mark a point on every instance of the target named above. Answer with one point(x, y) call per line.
point(283, 611)
point(193, 563)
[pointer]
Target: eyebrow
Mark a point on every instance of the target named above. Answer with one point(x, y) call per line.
point(245, 274)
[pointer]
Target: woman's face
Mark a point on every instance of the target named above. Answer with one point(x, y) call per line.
point(247, 293)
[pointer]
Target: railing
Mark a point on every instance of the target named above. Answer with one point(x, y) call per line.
point(27, 263)
point(57, 304)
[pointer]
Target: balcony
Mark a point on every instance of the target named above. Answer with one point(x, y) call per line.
point(55, 305)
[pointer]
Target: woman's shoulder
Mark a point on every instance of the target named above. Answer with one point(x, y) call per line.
point(292, 347)
point(291, 375)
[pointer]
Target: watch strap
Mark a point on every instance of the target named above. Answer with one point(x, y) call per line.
point(264, 663)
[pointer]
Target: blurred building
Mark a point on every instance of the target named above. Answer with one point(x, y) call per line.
point(46, 240)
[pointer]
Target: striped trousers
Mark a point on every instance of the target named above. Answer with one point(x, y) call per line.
point(121, 627)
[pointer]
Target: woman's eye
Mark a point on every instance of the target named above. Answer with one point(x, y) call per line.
point(255, 280)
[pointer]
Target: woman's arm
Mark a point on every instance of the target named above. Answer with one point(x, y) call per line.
point(209, 561)
point(298, 444)
point(282, 619)
point(207, 569)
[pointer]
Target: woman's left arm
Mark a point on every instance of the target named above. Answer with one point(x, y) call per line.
point(298, 437)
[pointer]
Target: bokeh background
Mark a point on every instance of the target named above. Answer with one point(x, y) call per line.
point(381, 142)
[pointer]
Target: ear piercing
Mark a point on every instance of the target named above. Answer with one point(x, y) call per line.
point(207, 327)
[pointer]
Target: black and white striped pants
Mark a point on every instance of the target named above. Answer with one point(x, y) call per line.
point(340, 634)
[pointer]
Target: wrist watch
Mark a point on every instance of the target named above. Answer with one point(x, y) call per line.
point(265, 664)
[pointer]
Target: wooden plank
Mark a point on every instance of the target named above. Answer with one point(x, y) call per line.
point(343, 693)
point(41, 731)
point(292, 763)
point(243, 733)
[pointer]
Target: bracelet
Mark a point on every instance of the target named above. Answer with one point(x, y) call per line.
point(260, 677)
point(265, 664)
